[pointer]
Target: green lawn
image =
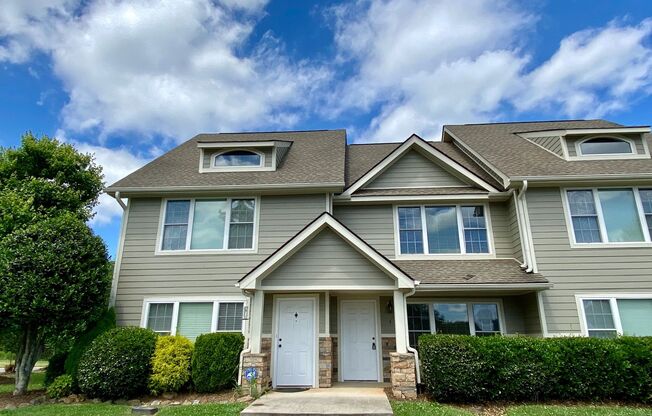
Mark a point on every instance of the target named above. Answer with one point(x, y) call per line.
point(426, 409)
point(550, 410)
point(232, 409)
point(38, 363)
point(35, 383)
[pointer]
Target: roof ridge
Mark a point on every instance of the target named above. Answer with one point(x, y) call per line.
point(270, 131)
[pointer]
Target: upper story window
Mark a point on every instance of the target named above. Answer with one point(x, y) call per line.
point(442, 229)
point(238, 158)
point(605, 146)
point(610, 215)
point(208, 224)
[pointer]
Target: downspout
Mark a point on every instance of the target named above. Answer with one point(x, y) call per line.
point(117, 198)
point(118, 255)
point(417, 366)
point(526, 227)
point(247, 348)
point(521, 232)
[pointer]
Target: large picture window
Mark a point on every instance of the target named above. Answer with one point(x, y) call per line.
point(454, 229)
point(477, 318)
point(209, 224)
point(610, 316)
point(610, 215)
point(193, 318)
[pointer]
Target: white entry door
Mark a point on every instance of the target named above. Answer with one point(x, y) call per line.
point(360, 348)
point(295, 342)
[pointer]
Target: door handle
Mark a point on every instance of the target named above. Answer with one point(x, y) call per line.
point(373, 346)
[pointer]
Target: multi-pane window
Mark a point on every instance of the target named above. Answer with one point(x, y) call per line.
point(458, 318)
point(209, 224)
point(418, 322)
point(610, 215)
point(611, 316)
point(191, 319)
point(443, 229)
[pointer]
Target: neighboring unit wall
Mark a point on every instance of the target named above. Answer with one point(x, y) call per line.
point(578, 270)
point(143, 274)
point(415, 170)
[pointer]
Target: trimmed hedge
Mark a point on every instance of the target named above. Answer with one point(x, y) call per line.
point(170, 364)
point(106, 322)
point(215, 361)
point(476, 369)
point(117, 364)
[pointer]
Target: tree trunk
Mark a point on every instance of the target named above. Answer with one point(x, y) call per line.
point(29, 351)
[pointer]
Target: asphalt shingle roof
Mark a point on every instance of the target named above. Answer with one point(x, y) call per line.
point(316, 157)
point(472, 272)
point(517, 157)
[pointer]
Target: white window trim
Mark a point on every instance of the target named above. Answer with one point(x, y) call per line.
point(175, 301)
point(469, 310)
point(603, 230)
point(609, 156)
point(260, 167)
point(613, 302)
point(159, 237)
point(460, 230)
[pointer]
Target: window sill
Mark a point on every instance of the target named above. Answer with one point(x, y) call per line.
point(203, 252)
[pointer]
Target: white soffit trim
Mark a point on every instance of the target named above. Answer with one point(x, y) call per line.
point(235, 144)
point(566, 132)
point(305, 235)
point(415, 140)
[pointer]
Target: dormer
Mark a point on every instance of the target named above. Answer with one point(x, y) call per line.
point(593, 144)
point(241, 156)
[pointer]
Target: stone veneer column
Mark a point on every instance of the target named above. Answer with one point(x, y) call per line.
point(325, 362)
point(404, 379)
point(261, 363)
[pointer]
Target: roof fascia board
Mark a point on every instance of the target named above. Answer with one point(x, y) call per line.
point(467, 148)
point(305, 235)
point(567, 132)
point(398, 198)
point(415, 140)
point(589, 178)
point(320, 187)
point(436, 287)
point(205, 145)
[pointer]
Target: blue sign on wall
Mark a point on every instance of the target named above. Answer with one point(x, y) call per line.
point(251, 374)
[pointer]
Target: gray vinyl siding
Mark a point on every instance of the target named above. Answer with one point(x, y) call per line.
point(552, 143)
point(579, 270)
point(268, 312)
point(415, 170)
point(386, 317)
point(144, 274)
point(572, 151)
point(210, 153)
point(375, 225)
point(327, 260)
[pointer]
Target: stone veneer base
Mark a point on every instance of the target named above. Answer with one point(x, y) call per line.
point(404, 379)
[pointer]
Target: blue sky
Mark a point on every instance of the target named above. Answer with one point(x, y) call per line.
point(128, 80)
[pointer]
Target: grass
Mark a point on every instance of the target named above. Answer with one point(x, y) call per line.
point(230, 409)
point(557, 410)
point(35, 383)
point(426, 409)
point(40, 363)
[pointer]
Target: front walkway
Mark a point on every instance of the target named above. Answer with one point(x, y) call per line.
point(342, 399)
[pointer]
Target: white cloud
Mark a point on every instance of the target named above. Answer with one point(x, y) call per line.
point(171, 67)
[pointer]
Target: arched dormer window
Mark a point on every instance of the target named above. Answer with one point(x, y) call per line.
point(238, 158)
point(605, 146)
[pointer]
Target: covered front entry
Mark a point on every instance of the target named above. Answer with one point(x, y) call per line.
point(295, 348)
point(360, 341)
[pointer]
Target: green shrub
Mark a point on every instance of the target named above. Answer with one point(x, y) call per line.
point(215, 361)
point(55, 367)
point(170, 364)
point(117, 364)
point(60, 387)
point(473, 369)
point(106, 322)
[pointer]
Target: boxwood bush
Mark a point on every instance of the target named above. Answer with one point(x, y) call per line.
point(477, 369)
point(117, 364)
point(215, 361)
point(60, 387)
point(170, 364)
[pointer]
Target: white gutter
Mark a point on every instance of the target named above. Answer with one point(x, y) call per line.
point(521, 232)
point(532, 262)
point(417, 366)
point(247, 348)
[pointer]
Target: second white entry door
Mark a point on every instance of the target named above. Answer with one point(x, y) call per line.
point(359, 344)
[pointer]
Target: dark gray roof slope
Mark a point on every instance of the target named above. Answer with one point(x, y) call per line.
point(471, 272)
point(363, 157)
point(515, 156)
point(315, 158)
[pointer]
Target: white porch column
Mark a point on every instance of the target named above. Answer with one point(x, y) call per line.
point(256, 321)
point(400, 326)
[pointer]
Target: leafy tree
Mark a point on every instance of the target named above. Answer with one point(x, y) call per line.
point(53, 270)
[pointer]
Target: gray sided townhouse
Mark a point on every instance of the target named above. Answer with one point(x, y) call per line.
point(332, 258)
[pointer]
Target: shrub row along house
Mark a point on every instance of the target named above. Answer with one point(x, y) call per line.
point(332, 258)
